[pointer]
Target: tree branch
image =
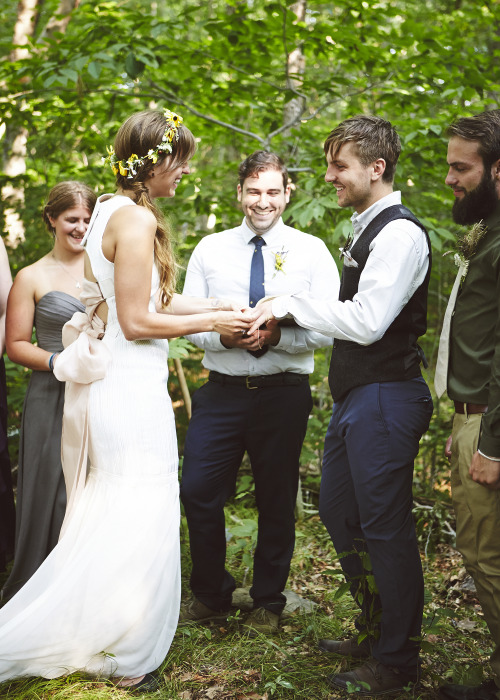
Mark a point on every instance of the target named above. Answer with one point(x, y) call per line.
point(207, 118)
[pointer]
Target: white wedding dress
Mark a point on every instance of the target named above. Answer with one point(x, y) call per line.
point(106, 600)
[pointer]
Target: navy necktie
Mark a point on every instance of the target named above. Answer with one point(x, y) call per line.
point(257, 290)
point(257, 272)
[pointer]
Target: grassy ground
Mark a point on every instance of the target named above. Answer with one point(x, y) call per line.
point(220, 662)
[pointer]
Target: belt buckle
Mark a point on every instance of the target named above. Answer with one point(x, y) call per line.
point(247, 380)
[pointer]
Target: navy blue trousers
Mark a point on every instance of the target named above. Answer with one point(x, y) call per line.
point(270, 424)
point(366, 506)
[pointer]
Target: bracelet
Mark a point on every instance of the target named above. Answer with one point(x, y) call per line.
point(51, 361)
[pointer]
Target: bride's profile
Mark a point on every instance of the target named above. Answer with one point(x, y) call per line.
point(106, 600)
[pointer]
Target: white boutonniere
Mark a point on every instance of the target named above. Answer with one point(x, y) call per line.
point(279, 261)
point(461, 263)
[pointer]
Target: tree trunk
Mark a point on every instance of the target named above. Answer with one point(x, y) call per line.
point(16, 137)
point(295, 66)
point(59, 22)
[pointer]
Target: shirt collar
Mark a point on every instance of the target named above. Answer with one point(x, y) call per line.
point(361, 221)
point(271, 237)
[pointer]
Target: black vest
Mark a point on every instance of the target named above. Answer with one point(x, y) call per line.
point(396, 356)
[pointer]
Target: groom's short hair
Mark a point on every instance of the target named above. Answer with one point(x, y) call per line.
point(373, 137)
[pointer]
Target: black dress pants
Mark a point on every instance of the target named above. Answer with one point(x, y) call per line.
point(270, 424)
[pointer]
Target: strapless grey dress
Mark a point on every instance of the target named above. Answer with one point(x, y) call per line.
point(41, 493)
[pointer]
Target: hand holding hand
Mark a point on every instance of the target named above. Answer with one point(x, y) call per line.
point(264, 315)
point(266, 336)
point(485, 471)
point(231, 323)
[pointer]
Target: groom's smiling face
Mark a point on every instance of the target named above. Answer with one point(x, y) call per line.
point(263, 200)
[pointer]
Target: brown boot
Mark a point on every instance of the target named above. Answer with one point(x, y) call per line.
point(196, 611)
point(347, 647)
point(372, 678)
point(262, 621)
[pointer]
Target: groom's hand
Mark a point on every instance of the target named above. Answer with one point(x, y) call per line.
point(264, 336)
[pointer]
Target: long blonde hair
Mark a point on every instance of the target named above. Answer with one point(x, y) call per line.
point(140, 133)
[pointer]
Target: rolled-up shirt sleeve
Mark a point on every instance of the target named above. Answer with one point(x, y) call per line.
point(396, 267)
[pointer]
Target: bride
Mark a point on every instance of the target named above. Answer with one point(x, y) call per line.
point(106, 600)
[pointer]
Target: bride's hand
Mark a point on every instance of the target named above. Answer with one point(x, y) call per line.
point(262, 314)
point(226, 305)
point(229, 322)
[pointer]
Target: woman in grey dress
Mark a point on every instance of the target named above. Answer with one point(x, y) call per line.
point(45, 295)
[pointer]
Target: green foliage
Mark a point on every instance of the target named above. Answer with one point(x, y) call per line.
point(17, 382)
point(225, 67)
point(242, 539)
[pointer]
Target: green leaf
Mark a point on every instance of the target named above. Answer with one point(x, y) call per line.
point(50, 80)
point(133, 66)
point(70, 74)
point(342, 590)
point(179, 348)
point(94, 69)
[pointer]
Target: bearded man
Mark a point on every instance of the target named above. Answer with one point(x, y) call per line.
point(473, 374)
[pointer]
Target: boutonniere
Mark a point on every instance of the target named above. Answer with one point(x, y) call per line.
point(344, 253)
point(345, 247)
point(467, 246)
point(462, 263)
point(279, 261)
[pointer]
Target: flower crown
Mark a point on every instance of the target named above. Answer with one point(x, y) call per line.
point(129, 167)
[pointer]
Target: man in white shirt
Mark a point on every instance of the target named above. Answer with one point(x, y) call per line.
point(382, 405)
point(257, 398)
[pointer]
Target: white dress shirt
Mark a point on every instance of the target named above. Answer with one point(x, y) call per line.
point(395, 268)
point(220, 267)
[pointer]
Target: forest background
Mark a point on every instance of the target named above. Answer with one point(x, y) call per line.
point(246, 75)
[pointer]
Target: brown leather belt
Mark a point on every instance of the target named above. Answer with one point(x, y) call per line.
point(469, 408)
point(257, 382)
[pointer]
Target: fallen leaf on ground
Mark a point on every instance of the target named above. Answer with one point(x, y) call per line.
point(212, 692)
point(466, 624)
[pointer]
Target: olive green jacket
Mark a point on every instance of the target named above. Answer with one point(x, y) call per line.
point(474, 365)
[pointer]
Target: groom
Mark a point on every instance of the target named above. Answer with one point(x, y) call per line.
point(382, 404)
point(257, 398)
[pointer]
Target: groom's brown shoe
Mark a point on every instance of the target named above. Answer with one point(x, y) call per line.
point(196, 611)
point(346, 647)
point(261, 621)
point(372, 678)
